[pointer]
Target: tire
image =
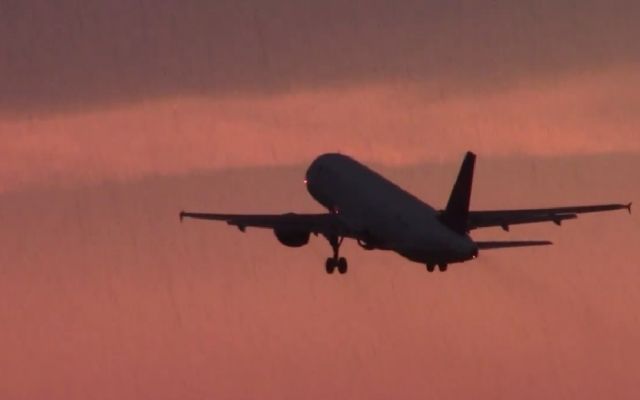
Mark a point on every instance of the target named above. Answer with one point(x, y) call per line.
point(342, 265)
point(330, 265)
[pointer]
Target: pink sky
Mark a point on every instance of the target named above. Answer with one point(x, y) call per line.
point(105, 295)
point(116, 115)
point(395, 123)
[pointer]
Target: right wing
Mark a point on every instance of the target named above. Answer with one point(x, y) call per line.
point(326, 224)
point(505, 218)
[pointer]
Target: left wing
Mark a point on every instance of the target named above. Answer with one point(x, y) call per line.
point(505, 218)
point(326, 224)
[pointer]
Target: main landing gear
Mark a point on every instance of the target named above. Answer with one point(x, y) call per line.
point(336, 262)
point(332, 263)
point(441, 267)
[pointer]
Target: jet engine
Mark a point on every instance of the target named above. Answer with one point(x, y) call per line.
point(292, 238)
point(368, 242)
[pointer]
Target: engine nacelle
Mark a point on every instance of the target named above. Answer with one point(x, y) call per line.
point(292, 238)
point(366, 245)
point(368, 242)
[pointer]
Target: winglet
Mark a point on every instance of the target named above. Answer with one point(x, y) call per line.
point(181, 215)
point(629, 207)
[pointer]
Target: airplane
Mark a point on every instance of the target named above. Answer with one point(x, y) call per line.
point(364, 206)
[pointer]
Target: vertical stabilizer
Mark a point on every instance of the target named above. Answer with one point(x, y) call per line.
point(456, 215)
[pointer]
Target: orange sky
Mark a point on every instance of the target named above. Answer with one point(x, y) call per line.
point(116, 115)
point(105, 295)
point(394, 123)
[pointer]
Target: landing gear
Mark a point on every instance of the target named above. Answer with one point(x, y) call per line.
point(342, 265)
point(441, 267)
point(336, 261)
point(330, 265)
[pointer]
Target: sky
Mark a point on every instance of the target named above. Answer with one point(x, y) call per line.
point(116, 115)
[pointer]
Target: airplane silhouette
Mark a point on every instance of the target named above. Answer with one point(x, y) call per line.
point(365, 206)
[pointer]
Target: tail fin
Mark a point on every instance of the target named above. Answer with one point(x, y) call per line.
point(456, 215)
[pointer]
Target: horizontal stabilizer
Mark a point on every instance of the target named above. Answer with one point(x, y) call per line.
point(508, 244)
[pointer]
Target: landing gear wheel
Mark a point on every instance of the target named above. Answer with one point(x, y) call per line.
point(431, 267)
point(330, 265)
point(342, 265)
point(335, 262)
point(442, 267)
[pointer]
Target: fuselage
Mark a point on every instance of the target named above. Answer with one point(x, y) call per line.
point(388, 216)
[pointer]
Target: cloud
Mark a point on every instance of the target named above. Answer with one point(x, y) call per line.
point(396, 123)
point(72, 55)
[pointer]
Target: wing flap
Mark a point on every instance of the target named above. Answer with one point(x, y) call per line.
point(504, 218)
point(505, 222)
point(314, 223)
